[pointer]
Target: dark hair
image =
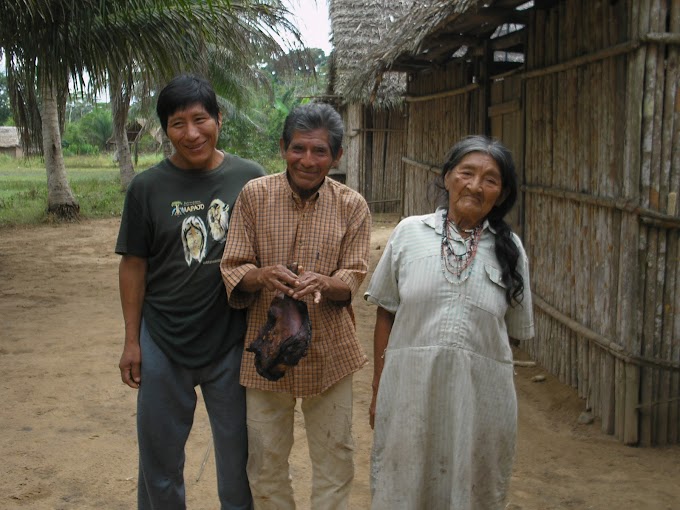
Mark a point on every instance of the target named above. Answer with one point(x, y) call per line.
point(311, 116)
point(183, 91)
point(507, 251)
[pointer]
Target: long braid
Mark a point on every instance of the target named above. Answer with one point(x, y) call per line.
point(507, 254)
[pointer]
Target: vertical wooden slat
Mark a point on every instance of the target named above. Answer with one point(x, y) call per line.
point(619, 27)
point(353, 147)
point(627, 295)
point(607, 226)
point(672, 154)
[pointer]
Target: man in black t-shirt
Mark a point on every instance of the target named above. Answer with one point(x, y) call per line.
point(180, 331)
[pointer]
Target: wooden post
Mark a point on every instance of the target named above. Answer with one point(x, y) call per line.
point(627, 294)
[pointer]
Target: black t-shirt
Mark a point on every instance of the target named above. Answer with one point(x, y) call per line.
point(178, 220)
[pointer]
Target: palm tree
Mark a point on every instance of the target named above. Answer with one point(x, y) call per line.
point(226, 52)
point(48, 42)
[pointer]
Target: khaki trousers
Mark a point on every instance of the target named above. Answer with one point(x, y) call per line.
point(328, 423)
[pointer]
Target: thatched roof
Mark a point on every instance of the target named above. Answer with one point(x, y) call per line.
point(357, 27)
point(434, 32)
point(9, 136)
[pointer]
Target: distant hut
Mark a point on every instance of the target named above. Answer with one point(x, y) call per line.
point(374, 120)
point(586, 94)
point(9, 142)
point(135, 129)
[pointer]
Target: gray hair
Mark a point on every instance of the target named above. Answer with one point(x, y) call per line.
point(500, 154)
point(311, 116)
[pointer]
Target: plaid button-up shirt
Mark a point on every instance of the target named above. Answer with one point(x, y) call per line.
point(328, 234)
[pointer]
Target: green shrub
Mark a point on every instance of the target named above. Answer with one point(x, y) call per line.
point(80, 149)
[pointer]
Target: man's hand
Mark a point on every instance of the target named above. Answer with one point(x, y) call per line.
point(310, 283)
point(131, 365)
point(280, 278)
point(277, 277)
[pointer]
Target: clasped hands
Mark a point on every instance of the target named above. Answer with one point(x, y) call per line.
point(297, 286)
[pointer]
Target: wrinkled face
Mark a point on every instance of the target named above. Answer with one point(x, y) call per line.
point(308, 160)
point(474, 187)
point(193, 133)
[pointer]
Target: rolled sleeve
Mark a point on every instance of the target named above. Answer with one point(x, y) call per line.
point(383, 289)
point(232, 276)
point(239, 256)
point(353, 264)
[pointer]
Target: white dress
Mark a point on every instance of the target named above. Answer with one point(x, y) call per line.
point(446, 411)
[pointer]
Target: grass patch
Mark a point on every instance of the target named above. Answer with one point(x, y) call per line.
point(94, 180)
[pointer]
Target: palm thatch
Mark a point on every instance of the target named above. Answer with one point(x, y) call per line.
point(9, 141)
point(356, 29)
point(432, 33)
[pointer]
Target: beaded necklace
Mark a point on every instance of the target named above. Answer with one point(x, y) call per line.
point(458, 266)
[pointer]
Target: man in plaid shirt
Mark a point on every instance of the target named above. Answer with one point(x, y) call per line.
point(301, 216)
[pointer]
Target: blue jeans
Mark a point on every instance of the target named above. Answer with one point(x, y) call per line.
point(165, 413)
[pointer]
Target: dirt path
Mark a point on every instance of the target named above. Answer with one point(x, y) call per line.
point(68, 423)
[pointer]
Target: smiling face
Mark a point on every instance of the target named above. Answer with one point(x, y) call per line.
point(308, 160)
point(474, 187)
point(193, 133)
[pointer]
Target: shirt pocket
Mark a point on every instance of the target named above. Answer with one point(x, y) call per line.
point(491, 292)
point(326, 253)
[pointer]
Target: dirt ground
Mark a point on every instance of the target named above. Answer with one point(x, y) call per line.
point(68, 423)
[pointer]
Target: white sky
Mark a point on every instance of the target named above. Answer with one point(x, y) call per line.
point(311, 18)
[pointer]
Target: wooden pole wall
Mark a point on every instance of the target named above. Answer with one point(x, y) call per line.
point(599, 101)
point(605, 268)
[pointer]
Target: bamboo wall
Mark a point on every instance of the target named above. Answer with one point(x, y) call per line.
point(351, 162)
point(384, 135)
point(372, 159)
point(597, 134)
point(506, 122)
point(442, 108)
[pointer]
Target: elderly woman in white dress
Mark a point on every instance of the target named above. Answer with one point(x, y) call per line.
point(452, 288)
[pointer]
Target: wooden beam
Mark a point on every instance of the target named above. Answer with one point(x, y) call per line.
point(649, 216)
point(489, 15)
point(602, 342)
point(662, 38)
point(507, 41)
point(503, 108)
point(439, 95)
point(612, 51)
point(452, 40)
point(424, 166)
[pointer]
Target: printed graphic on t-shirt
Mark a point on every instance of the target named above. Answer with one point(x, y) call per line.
point(218, 219)
point(194, 232)
point(194, 239)
point(180, 208)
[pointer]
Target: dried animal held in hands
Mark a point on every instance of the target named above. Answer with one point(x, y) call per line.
point(284, 338)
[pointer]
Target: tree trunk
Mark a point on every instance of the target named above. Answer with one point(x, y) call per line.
point(60, 199)
point(120, 104)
